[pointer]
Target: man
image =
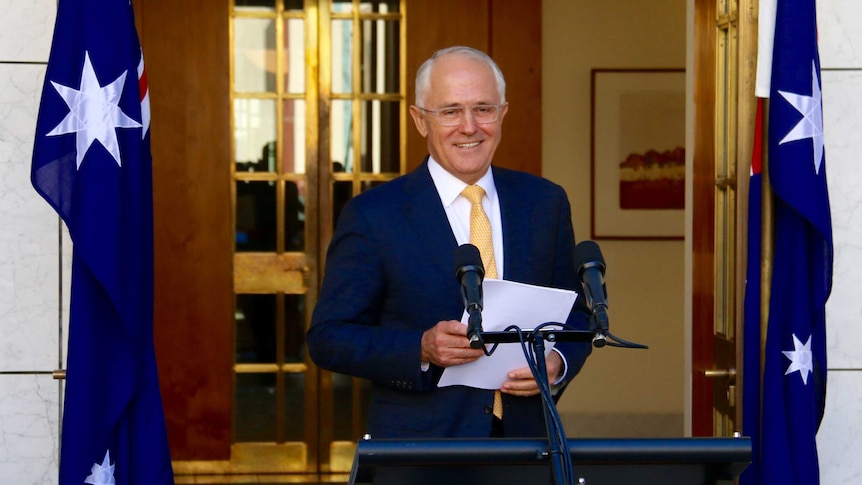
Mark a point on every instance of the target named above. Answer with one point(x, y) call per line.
point(389, 306)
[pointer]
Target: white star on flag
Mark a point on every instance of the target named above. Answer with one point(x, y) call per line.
point(800, 358)
point(94, 113)
point(811, 124)
point(102, 474)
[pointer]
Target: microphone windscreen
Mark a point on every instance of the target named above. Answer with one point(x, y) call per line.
point(588, 252)
point(467, 256)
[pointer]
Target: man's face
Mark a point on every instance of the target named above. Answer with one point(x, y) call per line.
point(466, 149)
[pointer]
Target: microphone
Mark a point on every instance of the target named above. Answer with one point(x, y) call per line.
point(469, 272)
point(591, 271)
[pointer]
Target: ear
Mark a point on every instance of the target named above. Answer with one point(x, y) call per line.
point(503, 111)
point(419, 121)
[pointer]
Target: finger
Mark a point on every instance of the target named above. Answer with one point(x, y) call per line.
point(522, 373)
point(520, 388)
point(519, 383)
point(454, 327)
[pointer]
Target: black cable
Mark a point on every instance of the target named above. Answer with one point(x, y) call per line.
point(551, 413)
point(558, 441)
point(618, 342)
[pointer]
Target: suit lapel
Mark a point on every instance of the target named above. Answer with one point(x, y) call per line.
point(426, 214)
point(422, 206)
point(515, 217)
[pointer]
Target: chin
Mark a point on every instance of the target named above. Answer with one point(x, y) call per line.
point(474, 162)
point(474, 171)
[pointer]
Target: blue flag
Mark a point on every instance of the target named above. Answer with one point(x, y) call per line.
point(794, 376)
point(751, 335)
point(92, 163)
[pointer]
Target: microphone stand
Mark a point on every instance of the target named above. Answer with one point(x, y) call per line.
point(560, 458)
point(556, 435)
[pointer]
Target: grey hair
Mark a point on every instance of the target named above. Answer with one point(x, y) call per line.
point(423, 75)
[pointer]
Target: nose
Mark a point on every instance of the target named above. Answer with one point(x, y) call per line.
point(468, 124)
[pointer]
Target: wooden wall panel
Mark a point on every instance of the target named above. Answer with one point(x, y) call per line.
point(516, 46)
point(508, 30)
point(185, 49)
point(429, 29)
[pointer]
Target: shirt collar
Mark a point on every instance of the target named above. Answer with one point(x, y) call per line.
point(449, 186)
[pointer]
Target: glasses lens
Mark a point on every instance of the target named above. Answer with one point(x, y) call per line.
point(449, 116)
point(484, 113)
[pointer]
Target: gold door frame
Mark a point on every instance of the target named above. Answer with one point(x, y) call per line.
point(286, 272)
point(336, 455)
point(734, 54)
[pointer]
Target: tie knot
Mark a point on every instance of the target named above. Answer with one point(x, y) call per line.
point(473, 193)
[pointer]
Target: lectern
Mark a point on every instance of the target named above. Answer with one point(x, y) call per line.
point(555, 460)
point(665, 461)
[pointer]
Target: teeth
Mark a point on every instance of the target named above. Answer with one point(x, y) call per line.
point(468, 145)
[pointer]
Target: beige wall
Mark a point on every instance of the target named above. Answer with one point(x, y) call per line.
point(620, 392)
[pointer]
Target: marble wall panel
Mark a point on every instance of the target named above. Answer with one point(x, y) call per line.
point(29, 429)
point(839, 441)
point(29, 241)
point(839, 23)
point(842, 123)
point(26, 28)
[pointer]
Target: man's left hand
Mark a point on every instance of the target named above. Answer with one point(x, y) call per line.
point(522, 383)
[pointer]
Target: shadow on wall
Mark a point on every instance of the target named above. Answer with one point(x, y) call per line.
point(623, 425)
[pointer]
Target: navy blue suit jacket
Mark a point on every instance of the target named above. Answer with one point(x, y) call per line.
point(390, 276)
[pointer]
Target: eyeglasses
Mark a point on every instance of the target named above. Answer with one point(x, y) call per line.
point(452, 116)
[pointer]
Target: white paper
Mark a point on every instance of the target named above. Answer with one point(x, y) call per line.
point(508, 303)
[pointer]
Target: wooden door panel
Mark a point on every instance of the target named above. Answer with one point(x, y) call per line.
point(725, 55)
point(703, 207)
point(185, 50)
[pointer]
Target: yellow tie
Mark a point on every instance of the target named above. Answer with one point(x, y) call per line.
point(480, 229)
point(480, 236)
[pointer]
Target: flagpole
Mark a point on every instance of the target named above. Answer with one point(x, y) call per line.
point(767, 243)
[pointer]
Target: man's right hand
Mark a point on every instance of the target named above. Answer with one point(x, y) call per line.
point(446, 344)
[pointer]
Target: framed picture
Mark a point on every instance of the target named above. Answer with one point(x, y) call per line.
point(637, 158)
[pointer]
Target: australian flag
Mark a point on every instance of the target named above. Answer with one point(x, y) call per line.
point(794, 375)
point(752, 337)
point(92, 163)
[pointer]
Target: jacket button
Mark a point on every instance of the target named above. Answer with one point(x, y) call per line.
point(489, 409)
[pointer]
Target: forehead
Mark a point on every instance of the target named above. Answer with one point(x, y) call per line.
point(460, 80)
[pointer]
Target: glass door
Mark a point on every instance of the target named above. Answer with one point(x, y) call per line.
point(318, 115)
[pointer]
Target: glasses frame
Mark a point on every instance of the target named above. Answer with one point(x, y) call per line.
point(463, 111)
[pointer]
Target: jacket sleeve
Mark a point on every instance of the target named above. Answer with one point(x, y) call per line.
point(576, 353)
point(347, 334)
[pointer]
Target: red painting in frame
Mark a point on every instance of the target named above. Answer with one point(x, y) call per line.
point(637, 160)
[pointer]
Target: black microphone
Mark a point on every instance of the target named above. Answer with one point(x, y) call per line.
point(591, 271)
point(469, 271)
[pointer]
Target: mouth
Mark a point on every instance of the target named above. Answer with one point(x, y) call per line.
point(467, 146)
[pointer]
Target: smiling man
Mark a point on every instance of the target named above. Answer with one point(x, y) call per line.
point(390, 304)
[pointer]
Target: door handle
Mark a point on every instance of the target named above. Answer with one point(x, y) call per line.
point(720, 373)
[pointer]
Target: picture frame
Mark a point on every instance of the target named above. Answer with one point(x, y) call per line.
point(637, 154)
